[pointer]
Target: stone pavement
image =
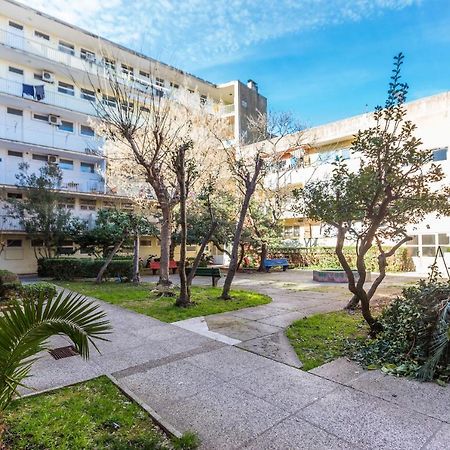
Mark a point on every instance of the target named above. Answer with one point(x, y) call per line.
point(236, 399)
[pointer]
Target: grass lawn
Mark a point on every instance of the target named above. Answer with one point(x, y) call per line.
point(90, 415)
point(323, 337)
point(140, 299)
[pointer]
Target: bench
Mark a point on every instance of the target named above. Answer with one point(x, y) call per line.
point(280, 262)
point(213, 272)
point(155, 265)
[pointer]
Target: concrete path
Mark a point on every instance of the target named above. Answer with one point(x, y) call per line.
point(236, 399)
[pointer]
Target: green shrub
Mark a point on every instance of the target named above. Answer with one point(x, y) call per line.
point(325, 258)
point(416, 334)
point(9, 281)
point(32, 292)
point(70, 268)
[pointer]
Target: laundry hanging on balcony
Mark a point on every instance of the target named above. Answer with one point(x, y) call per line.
point(33, 92)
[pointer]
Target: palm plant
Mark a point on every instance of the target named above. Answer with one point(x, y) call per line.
point(26, 328)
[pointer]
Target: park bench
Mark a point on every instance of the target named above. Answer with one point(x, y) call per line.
point(213, 272)
point(155, 265)
point(279, 262)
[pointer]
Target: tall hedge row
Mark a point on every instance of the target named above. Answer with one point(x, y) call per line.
point(70, 268)
point(325, 258)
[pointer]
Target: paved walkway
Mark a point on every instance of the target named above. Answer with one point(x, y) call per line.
point(236, 399)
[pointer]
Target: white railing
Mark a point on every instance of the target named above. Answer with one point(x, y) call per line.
point(52, 98)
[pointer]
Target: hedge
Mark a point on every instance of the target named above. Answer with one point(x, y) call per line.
point(325, 258)
point(70, 268)
point(9, 281)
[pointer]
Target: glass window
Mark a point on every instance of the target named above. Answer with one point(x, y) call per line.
point(66, 126)
point(87, 167)
point(37, 76)
point(15, 25)
point(66, 88)
point(428, 239)
point(127, 70)
point(443, 239)
point(15, 154)
point(413, 251)
point(440, 154)
point(40, 35)
point(87, 55)
point(66, 164)
point(42, 117)
point(159, 82)
point(15, 70)
point(14, 243)
point(146, 242)
point(414, 241)
point(87, 131)
point(66, 48)
point(37, 243)
point(86, 94)
point(15, 195)
point(174, 85)
point(38, 157)
point(67, 202)
point(144, 74)
point(88, 205)
point(14, 111)
point(109, 63)
point(428, 251)
point(109, 101)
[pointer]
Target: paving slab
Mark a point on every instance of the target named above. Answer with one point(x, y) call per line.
point(341, 370)
point(441, 439)
point(245, 330)
point(370, 422)
point(275, 346)
point(296, 433)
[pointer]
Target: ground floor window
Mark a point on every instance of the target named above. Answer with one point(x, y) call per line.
point(427, 244)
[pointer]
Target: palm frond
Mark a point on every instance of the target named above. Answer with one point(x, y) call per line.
point(25, 329)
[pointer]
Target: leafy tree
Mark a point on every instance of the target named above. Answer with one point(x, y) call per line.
point(39, 212)
point(396, 184)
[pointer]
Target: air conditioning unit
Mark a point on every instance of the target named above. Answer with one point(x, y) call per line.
point(48, 77)
point(54, 120)
point(53, 159)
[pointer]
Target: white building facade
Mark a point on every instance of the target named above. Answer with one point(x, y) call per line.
point(46, 99)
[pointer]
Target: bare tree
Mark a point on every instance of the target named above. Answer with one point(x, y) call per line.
point(250, 165)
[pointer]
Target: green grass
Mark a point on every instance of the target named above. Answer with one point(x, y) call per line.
point(323, 337)
point(140, 299)
point(90, 415)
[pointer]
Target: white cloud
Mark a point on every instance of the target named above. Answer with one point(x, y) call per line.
point(199, 33)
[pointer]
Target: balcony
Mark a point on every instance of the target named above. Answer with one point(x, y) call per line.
point(8, 223)
point(52, 97)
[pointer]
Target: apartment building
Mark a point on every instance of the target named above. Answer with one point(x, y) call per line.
point(323, 144)
point(46, 100)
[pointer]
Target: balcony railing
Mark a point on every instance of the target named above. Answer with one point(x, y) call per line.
point(52, 98)
point(8, 223)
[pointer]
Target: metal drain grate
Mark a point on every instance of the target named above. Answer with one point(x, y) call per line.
point(63, 352)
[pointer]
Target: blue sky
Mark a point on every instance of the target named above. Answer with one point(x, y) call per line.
point(321, 59)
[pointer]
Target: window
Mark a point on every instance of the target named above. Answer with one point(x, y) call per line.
point(66, 164)
point(127, 206)
point(87, 131)
point(16, 70)
point(144, 74)
point(109, 63)
point(428, 251)
point(66, 88)
point(145, 109)
point(38, 157)
point(87, 167)
point(159, 82)
point(191, 91)
point(146, 242)
point(87, 55)
point(86, 94)
point(66, 126)
point(37, 243)
point(127, 70)
point(87, 205)
point(42, 117)
point(66, 48)
point(37, 76)
point(428, 239)
point(40, 35)
point(15, 25)
point(67, 203)
point(14, 111)
point(174, 85)
point(440, 154)
point(14, 243)
point(191, 248)
point(15, 195)
point(443, 239)
point(15, 154)
point(203, 99)
point(109, 101)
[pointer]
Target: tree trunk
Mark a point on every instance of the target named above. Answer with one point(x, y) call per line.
point(241, 256)
point(232, 268)
point(198, 257)
point(136, 276)
point(262, 257)
point(352, 303)
point(184, 298)
point(166, 226)
point(108, 260)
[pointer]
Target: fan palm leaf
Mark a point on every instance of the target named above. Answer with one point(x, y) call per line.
point(25, 330)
